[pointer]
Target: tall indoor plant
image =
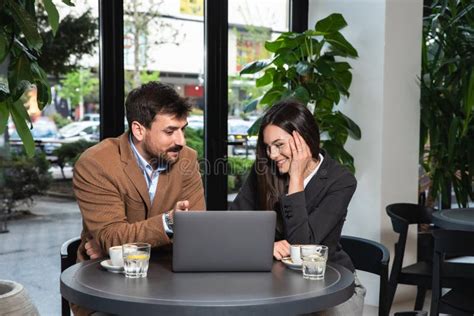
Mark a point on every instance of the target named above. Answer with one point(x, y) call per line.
point(20, 47)
point(447, 100)
point(311, 67)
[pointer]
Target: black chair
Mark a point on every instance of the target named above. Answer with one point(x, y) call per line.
point(412, 313)
point(370, 256)
point(460, 299)
point(402, 215)
point(68, 258)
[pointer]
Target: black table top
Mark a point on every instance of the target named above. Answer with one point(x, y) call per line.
point(456, 219)
point(280, 292)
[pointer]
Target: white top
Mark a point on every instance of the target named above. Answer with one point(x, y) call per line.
point(311, 175)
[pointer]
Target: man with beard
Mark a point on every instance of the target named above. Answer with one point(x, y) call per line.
point(129, 187)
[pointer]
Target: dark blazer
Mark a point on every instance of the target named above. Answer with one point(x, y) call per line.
point(315, 215)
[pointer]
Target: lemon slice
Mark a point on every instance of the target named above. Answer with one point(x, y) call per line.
point(138, 257)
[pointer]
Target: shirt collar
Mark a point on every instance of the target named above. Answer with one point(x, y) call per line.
point(311, 175)
point(142, 163)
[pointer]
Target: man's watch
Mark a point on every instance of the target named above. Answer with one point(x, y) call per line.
point(169, 219)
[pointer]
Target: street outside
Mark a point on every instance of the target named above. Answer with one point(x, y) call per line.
point(30, 251)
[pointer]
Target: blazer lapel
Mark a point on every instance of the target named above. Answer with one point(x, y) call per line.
point(133, 171)
point(318, 182)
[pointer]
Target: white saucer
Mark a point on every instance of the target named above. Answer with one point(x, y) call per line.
point(287, 261)
point(107, 264)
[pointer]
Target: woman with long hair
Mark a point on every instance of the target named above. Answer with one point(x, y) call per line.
point(307, 189)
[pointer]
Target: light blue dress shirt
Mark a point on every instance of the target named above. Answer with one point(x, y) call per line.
point(151, 176)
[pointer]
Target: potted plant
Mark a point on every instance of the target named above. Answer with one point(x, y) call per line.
point(311, 67)
point(447, 101)
point(20, 47)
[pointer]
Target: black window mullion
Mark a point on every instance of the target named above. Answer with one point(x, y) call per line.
point(216, 105)
point(298, 15)
point(111, 68)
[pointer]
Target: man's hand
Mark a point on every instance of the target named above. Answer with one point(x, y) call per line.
point(281, 249)
point(181, 206)
point(93, 249)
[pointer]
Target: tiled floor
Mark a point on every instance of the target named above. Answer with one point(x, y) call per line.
point(404, 306)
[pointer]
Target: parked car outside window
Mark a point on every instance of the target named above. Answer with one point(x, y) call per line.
point(91, 117)
point(237, 130)
point(44, 132)
point(83, 130)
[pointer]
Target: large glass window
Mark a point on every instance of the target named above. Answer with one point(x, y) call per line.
point(251, 23)
point(164, 40)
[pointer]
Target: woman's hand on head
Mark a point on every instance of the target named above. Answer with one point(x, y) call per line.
point(300, 156)
point(281, 249)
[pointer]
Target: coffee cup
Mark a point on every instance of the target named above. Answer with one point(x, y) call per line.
point(116, 256)
point(295, 253)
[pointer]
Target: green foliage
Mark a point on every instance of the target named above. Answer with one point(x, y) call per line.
point(310, 67)
point(75, 36)
point(238, 87)
point(68, 153)
point(194, 139)
point(238, 170)
point(447, 100)
point(237, 167)
point(77, 85)
point(20, 46)
point(147, 76)
point(144, 75)
point(22, 177)
point(59, 120)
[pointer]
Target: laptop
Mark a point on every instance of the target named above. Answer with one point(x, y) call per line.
point(215, 241)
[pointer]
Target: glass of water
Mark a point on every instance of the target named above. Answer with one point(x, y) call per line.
point(136, 257)
point(314, 259)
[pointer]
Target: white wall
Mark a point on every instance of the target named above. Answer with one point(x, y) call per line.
point(384, 102)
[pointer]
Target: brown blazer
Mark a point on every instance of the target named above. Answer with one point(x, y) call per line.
point(113, 197)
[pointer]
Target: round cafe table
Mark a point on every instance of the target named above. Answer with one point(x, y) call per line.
point(279, 292)
point(455, 219)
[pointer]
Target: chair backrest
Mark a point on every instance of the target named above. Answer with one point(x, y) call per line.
point(69, 252)
point(404, 214)
point(450, 243)
point(68, 258)
point(373, 257)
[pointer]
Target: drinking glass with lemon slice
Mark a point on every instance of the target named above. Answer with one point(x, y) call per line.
point(136, 257)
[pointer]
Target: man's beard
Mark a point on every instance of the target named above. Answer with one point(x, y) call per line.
point(162, 158)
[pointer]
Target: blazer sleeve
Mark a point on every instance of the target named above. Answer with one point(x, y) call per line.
point(311, 224)
point(247, 198)
point(193, 190)
point(103, 209)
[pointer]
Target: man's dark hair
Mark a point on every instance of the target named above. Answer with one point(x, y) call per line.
point(144, 102)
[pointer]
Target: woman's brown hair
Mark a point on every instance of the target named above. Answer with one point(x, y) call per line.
point(289, 115)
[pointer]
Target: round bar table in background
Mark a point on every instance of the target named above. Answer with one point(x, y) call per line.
point(279, 292)
point(455, 219)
